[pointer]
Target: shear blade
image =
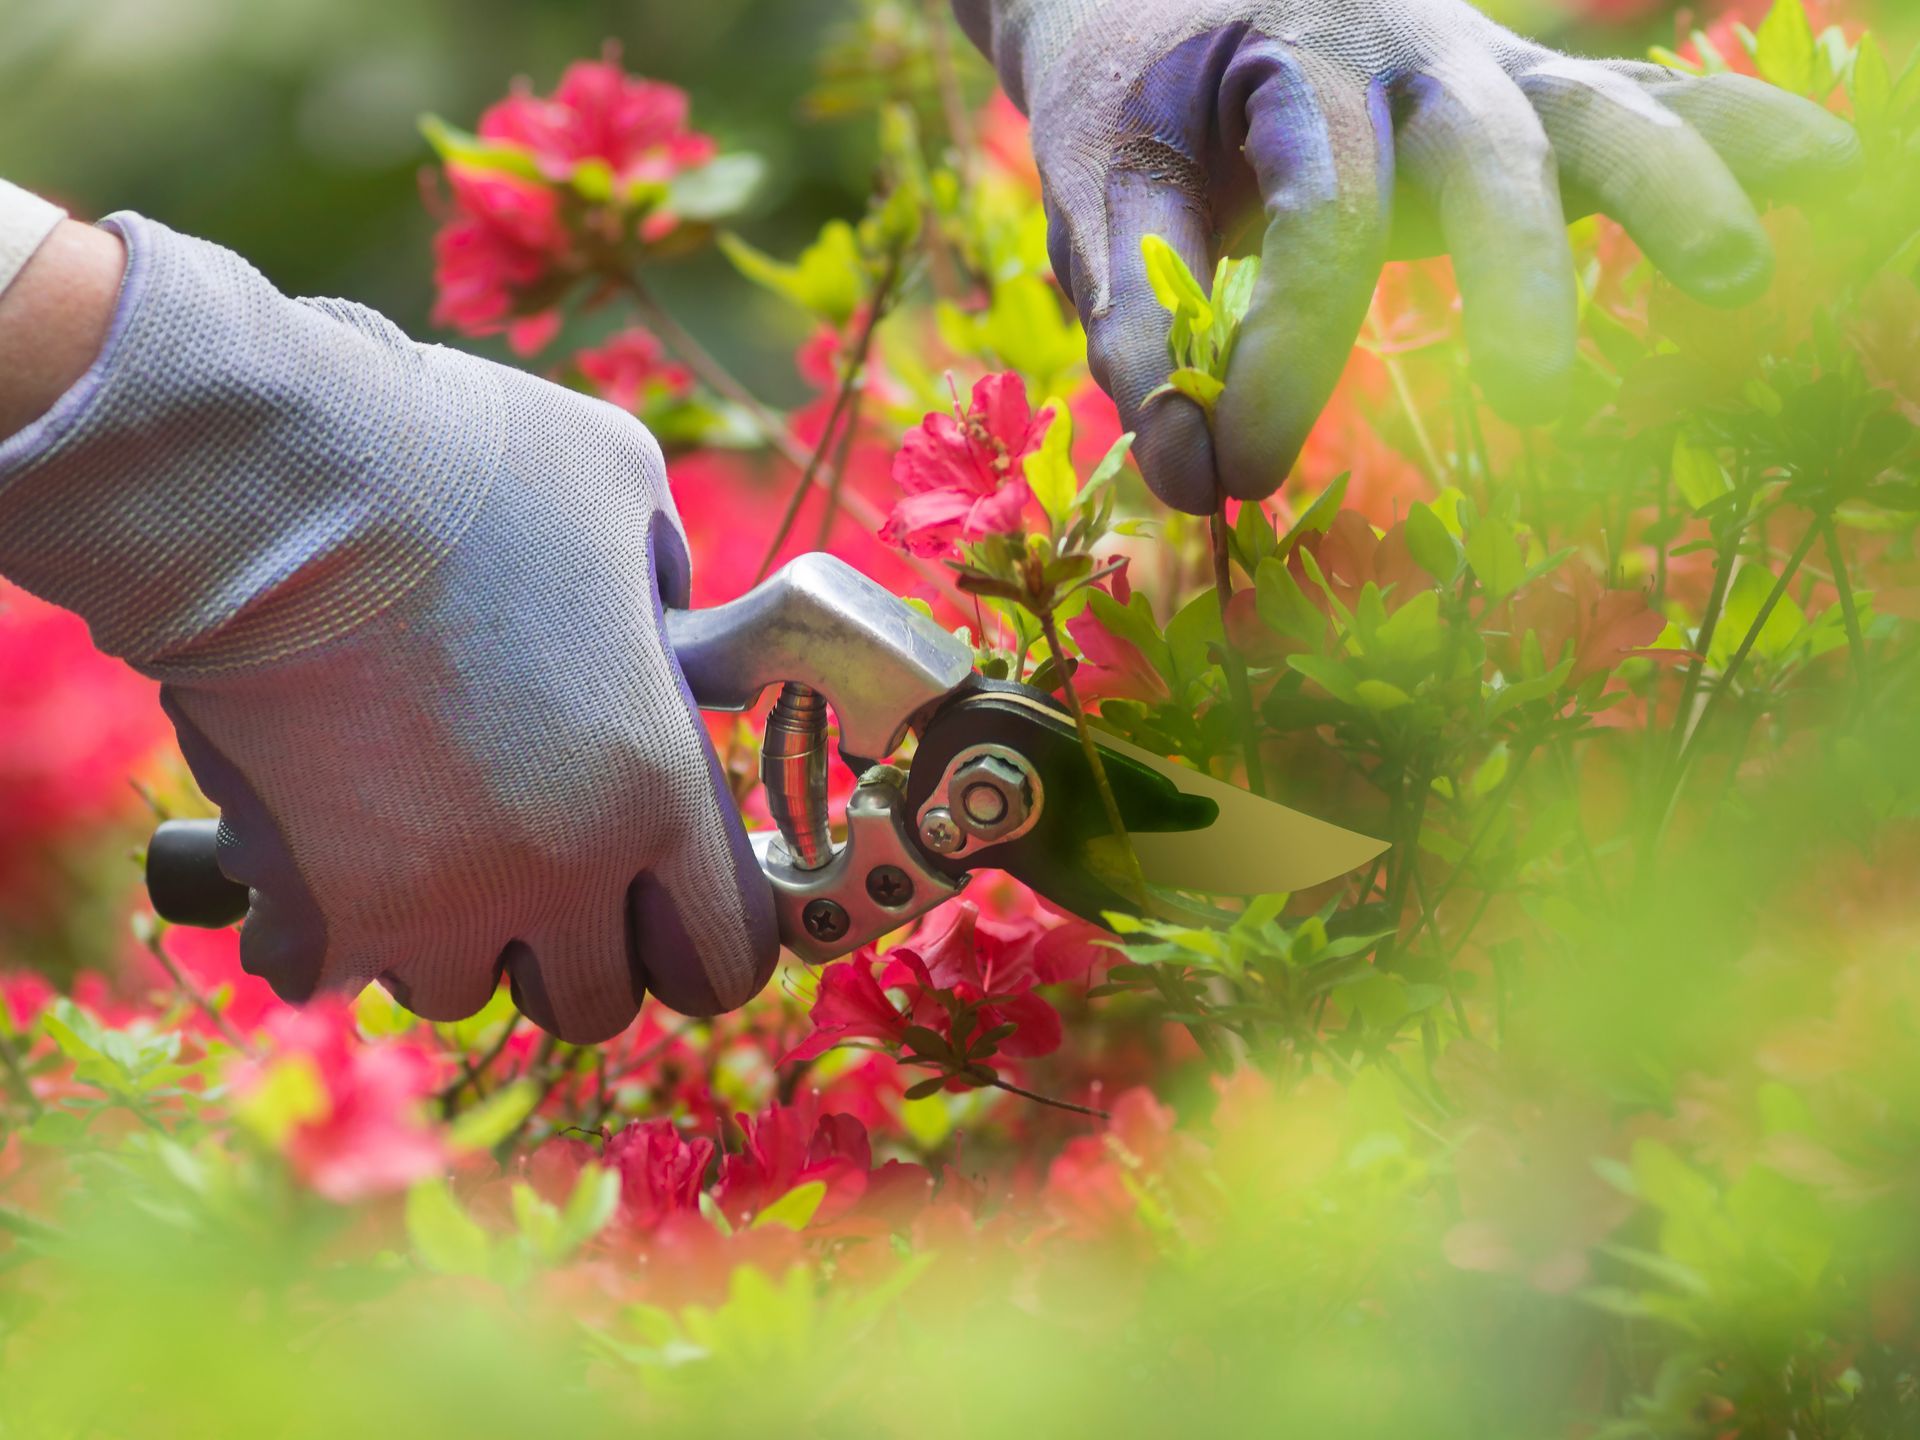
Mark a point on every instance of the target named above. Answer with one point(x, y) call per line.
point(1254, 847)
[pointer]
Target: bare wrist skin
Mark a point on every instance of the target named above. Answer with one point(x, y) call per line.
point(54, 318)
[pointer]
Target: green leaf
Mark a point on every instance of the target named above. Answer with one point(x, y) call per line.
point(828, 280)
point(1493, 549)
point(445, 1237)
point(718, 190)
point(495, 1118)
point(290, 1094)
point(1784, 49)
point(456, 147)
point(794, 1210)
point(1109, 468)
point(1318, 517)
point(1745, 596)
point(1282, 606)
point(1870, 84)
point(1197, 385)
point(1697, 473)
point(1049, 470)
point(1330, 675)
point(1174, 285)
point(1432, 548)
point(1379, 695)
point(595, 1198)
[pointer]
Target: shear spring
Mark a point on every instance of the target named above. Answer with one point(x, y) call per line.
point(793, 766)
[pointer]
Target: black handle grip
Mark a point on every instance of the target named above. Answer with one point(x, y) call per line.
point(184, 879)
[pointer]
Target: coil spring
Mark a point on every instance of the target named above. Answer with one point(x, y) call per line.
point(793, 766)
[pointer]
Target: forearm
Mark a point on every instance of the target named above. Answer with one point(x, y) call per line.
point(241, 474)
point(58, 280)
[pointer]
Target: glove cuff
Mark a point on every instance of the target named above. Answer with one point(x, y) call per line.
point(240, 476)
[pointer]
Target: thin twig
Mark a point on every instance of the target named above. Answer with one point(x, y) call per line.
point(1238, 687)
point(181, 982)
point(953, 103)
point(549, 1077)
point(709, 371)
point(1747, 642)
point(852, 384)
point(1849, 611)
point(1040, 1099)
point(1130, 862)
point(715, 376)
point(471, 1069)
point(17, 1075)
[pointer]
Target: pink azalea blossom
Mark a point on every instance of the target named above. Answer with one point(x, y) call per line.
point(962, 474)
point(505, 238)
point(786, 1147)
point(360, 1132)
point(637, 127)
point(661, 1170)
point(631, 369)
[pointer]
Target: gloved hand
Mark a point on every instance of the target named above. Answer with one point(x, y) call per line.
point(405, 606)
point(1184, 118)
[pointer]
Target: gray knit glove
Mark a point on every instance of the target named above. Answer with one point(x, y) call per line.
point(1186, 117)
point(406, 608)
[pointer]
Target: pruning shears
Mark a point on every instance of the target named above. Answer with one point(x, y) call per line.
point(997, 780)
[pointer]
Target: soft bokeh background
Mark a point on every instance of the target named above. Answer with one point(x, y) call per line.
point(286, 129)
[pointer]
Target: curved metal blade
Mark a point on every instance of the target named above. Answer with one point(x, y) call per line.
point(1255, 847)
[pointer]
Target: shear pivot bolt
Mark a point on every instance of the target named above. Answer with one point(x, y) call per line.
point(826, 920)
point(939, 833)
point(996, 797)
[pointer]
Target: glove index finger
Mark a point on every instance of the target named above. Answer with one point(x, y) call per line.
point(1158, 182)
point(1319, 143)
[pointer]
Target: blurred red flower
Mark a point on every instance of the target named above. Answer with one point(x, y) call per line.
point(345, 1114)
point(631, 369)
point(636, 127)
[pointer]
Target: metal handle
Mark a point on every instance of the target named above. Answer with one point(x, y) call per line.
point(820, 628)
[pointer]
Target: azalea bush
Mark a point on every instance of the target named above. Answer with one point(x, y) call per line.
point(1588, 1109)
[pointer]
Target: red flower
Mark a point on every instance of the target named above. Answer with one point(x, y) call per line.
point(636, 127)
point(507, 233)
point(1351, 556)
point(631, 370)
point(962, 473)
point(74, 725)
point(344, 1112)
point(850, 1005)
point(1112, 667)
point(1572, 614)
point(505, 238)
point(786, 1148)
point(661, 1170)
point(977, 959)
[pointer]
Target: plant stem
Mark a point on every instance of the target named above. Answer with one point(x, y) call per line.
point(1130, 862)
point(198, 997)
point(716, 377)
point(852, 384)
point(1040, 1099)
point(17, 1076)
point(710, 372)
point(1849, 612)
point(471, 1069)
point(953, 103)
point(1747, 642)
point(1404, 393)
point(837, 472)
point(1235, 666)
